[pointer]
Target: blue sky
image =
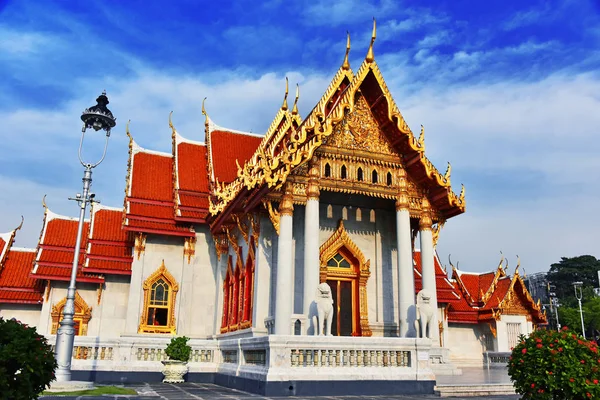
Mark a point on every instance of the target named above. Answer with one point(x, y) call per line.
point(507, 91)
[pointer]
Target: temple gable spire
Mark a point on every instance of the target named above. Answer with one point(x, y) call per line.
point(370, 55)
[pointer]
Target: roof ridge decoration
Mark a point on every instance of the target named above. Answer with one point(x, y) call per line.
point(175, 183)
point(22, 249)
point(129, 173)
point(510, 291)
point(456, 276)
point(9, 239)
point(500, 273)
point(300, 145)
point(370, 55)
point(346, 63)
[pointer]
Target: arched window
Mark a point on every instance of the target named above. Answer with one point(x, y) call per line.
point(374, 176)
point(327, 170)
point(158, 315)
point(344, 213)
point(237, 292)
point(359, 174)
point(329, 211)
point(389, 179)
point(338, 261)
point(227, 288)
point(343, 172)
point(358, 214)
point(83, 314)
point(372, 216)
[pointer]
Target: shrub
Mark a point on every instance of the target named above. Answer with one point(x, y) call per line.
point(178, 349)
point(550, 365)
point(27, 361)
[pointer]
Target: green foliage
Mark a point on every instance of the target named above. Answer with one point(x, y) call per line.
point(569, 270)
point(178, 349)
point(550, 365)
point(27, 361)
point(99, 391)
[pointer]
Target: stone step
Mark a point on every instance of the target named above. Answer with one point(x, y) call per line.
point(471, 390)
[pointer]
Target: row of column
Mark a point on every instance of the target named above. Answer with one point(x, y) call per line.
point(406, 287)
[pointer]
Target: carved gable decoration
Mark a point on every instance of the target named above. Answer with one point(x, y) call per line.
point(359, 131)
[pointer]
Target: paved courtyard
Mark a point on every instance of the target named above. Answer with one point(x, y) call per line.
point(205, 391)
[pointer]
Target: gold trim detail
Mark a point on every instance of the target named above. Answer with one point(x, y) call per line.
point(233, 240)
point(140, 244)
point(83, 314)
point(286, 207)
point(273, 214)
point(242, 227)
point(255, 225)
point(221, 244)
point(161, 273)
point(312, 189)
point(403, 200)
point(338, 240)
point(100, 288)
point(189, 248)
point(435, 232)
point(425, 220)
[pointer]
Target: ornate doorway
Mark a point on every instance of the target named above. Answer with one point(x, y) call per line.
point(345, 270)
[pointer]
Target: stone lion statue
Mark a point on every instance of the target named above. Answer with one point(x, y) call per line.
point(324, 302)
point(425, 313)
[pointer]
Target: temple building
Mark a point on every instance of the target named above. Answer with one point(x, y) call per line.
point(226, 241)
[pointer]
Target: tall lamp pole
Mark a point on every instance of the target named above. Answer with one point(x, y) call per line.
point(97, 118)
point(579, 295)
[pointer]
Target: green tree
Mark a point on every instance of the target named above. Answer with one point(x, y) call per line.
point(574, 269)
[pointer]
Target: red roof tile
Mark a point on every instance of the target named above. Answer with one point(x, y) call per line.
point(226, 147)
point(149, 203)
point(446, 292)
point(110, 248)
point(20, 297)
point(55, 251)
point(16, 285)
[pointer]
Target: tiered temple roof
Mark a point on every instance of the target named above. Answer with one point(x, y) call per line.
point(486, 296)
point(446, 292)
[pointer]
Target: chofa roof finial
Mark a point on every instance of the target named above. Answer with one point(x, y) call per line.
point(295, 108)
point(284, 106)
point(346, 63)
point(21, 225)
point(370, 55)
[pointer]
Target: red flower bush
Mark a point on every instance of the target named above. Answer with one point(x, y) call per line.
point(27, 361)
point(539, 372)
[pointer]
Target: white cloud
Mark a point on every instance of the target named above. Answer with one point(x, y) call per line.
point(344, 12)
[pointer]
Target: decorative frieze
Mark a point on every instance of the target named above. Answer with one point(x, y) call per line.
point(140, 244)
point(189, 248)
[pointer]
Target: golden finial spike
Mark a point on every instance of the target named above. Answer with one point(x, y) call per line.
point(44, 202)
point(204, 109)
point(127, 131)
point(284, 106)
point(346, 63)
point(461, 198)
point(370, 55)
point(450, 261)
point(295, 108)
point(448, 171)
point(518, 264)
point(21, 225)
point(501, 260)
point(421, 140)
point(171, 124)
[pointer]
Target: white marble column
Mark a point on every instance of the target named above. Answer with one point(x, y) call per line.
point(311, 247)
point(285, 286)
point(406, 282)
point(428, 268)
point(222, 249)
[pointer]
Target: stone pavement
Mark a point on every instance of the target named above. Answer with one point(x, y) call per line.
point(206, 391)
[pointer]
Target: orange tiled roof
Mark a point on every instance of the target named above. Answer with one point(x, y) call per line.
point(55, 250)
point(149, 205)
point(226, 147)
point(446, 292)
point(192, 183)
point(16, 285)
point(109, 245)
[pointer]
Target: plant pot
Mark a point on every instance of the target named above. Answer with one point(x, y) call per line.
point(174, 371)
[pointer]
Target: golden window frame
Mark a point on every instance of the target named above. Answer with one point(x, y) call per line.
point(83, 314)
point(161, 273)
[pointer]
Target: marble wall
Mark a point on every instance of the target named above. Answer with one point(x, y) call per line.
point(26, 313)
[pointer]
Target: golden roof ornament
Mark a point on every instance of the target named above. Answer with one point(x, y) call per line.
point(518, 265)
point(21, 225)
point(461, 197)
point(346, 63)
point(284, 106)
point(448, 172)
point(295, 108)
point(370, 55)
point(421, 141)
point(44, 203)
point(171, 125)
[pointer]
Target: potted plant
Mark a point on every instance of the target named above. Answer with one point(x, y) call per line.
point(176, 367)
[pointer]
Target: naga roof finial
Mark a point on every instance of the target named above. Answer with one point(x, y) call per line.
point(370, 55)
point(448, 172)
point(450, 261)
point(44, 203)
point(284, 106)
point(295, 108)
point(501, 260)
point(518, 264)
point(171, 124)
point(346, 63)
point(21, 225)
point(421, 140)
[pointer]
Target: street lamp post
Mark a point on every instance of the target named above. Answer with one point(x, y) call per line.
point(97, 118)
point(579, 295)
